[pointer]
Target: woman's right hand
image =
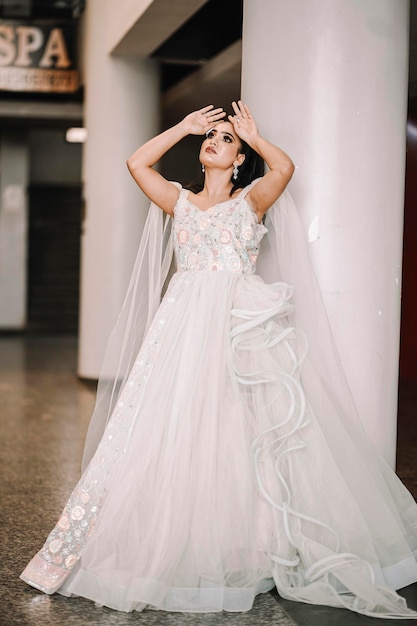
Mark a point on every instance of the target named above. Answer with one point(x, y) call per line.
point(201, 121)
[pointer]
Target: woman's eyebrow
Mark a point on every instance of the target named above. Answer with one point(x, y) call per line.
point(224, 133)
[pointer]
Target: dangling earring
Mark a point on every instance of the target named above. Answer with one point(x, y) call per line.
point(203, 169)
point(235, 172)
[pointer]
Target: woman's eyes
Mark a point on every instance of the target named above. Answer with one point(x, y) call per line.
point(212, 134)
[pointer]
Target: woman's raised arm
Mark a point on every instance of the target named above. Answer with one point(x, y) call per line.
point(140, 164)
point(281, 168)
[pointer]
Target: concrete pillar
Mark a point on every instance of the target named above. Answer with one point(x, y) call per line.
point(13, 229)
point(121, 112)
point(328, 82)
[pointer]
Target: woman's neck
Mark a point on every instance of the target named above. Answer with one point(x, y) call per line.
point(216, 185)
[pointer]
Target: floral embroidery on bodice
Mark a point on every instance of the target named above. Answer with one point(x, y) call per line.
point(225, 237)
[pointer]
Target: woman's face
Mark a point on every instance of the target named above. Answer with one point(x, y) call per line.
point(221, 147)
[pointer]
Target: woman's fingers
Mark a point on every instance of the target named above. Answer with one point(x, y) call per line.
point(243, 121)
point(210, 113)
point(241, 111)
point(211, 117)
point(198, 122)
point(235, 109)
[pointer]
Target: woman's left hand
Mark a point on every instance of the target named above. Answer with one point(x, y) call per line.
point(243, 122)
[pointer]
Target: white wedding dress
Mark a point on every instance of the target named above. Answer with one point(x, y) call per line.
point(218, 477)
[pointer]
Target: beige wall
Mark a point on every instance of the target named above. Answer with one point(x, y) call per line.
point(14, 159)
point(121, 112)
point(138, 27)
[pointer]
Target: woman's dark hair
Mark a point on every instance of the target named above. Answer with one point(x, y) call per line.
point(252, 167)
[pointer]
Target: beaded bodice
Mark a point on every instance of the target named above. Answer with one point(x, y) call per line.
point(225, 237)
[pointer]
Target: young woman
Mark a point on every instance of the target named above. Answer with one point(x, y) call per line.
point(226, 458)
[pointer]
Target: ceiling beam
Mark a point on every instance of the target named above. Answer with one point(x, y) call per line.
point(48, 111)
point(158, 21)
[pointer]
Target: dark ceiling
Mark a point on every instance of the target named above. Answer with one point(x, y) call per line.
point(210, 30)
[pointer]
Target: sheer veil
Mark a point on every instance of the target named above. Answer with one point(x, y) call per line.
point(283, 258)
point(142, 299)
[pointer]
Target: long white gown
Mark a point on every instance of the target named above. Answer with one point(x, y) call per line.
point(216, 477)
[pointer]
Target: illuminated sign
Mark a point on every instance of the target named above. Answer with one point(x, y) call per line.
point(38, 57)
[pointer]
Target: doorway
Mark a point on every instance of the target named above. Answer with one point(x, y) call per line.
point(54, 258)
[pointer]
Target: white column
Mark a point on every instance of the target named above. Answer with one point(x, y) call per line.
point(13, 228)
point(121, 112)
point(328, 82)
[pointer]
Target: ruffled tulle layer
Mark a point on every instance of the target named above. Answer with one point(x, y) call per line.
point(217, 478)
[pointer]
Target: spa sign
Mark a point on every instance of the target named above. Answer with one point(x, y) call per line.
point(38, 57)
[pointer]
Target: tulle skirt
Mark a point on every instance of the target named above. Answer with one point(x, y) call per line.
point(219, 477)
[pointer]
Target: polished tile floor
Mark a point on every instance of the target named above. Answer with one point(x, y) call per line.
point(44, 412)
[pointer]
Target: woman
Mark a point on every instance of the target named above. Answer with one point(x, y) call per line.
point(232, 460)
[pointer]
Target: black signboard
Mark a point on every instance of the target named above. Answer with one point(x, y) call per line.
point(38, 56)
